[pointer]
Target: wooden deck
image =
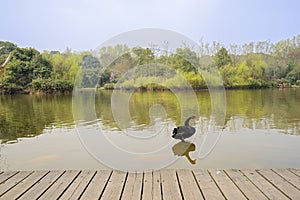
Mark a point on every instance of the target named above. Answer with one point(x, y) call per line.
point(163, 184)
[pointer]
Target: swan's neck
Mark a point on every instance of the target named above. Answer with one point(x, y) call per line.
point(187, 122)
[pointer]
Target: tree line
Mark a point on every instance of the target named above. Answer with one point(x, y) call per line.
point(251, 65)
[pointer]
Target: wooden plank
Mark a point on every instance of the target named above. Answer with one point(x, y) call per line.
point(147, 183)
point(267, 188)
point(289, 176)
point(295, 171)
point(167, 184)
point(115, 185)
point(97, 185)
point(42, 185)
point(207, 185)
point(78, 186)
point(6, 175)
point(13, 181)
point(133, 186)
point(170, 185)
point(152, 186)
point(60, 185)
point(188, 184)
point(156, 185)
point(243, 183)
point(280, 183)
point(24, 185)
point(227, 187)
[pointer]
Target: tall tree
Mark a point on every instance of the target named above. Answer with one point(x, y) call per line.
point(143, 56)
point(27, 64)
point(222, 58)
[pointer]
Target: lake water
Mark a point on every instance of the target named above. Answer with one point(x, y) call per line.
point(261, 129)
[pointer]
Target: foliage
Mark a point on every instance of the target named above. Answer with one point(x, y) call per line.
point(143, 56)
point(7, 47)
point(65, 65)
point(246, 74)
point(222, 58)
point(251, 65)
point(184, 60)
point(51, 86)
point(32, 71)
point(10, 88)
point(109, 86)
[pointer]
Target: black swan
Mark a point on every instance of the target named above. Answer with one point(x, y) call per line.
point(186, 131)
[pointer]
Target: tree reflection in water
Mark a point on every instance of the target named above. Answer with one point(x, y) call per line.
point(252, 110)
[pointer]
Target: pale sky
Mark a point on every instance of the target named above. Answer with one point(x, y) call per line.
point(85, 24)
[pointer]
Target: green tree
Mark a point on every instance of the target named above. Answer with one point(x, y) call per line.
point(185, 60)
point(90, 62)
point(25, 65)
point(222, 58)
point(256, 65)
point(90, 70)
point(42, 68)
point(5, 49)
point(111, 53)
point(143, 56)
point(65, 65)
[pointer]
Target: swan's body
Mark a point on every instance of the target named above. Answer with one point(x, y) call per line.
point(186, 131)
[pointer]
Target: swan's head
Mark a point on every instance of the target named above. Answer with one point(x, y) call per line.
point(194, 118)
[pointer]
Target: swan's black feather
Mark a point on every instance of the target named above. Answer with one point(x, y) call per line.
point(175, 131)
point(185, 131)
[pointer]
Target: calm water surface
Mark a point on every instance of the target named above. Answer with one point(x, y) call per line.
point(261, 130)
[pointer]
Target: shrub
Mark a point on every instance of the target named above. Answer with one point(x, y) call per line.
point(154, 86)
point(109, 86)
point(51, 86)
point(10, 88)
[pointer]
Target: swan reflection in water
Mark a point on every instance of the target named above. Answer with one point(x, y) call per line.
point(184, 149)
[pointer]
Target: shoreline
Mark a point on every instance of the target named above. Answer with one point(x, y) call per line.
point(140, 89)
